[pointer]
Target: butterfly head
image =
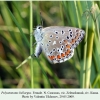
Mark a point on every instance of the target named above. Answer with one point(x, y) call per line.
point(39, 28)
point(38, 33)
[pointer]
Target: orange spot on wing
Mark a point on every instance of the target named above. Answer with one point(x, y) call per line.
point(73, 41)
point(51, 57)
point(77, 30)
point(67, 52)
point(66, 42)
point(68, 46)
point(58, 57)
point(77, 36)
point(62, 55)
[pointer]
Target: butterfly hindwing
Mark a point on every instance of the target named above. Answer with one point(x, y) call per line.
point(58, 43)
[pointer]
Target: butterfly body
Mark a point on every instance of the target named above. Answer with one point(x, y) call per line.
point(57, 42)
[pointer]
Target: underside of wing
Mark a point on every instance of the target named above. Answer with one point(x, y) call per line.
point(59, 42)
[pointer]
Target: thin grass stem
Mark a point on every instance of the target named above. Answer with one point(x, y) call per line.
point(31, 50)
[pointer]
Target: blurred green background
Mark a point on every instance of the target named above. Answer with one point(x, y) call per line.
point(17, 18)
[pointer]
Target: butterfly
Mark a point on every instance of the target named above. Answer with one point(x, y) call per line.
point(57, 42)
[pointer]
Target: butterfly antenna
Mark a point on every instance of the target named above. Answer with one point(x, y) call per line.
point(41, 19)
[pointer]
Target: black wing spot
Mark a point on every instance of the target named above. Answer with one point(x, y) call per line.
point(77, 30)
point(61, 49)
point(51, 52)
point(60, 42)
point(62, 46)
point(81, 31)
point(47, 45)
point(71, 35)
point(67, 37)
point(54, 58)
point(51, 36)
point(49, 41)
point(69, 30)
point(62, 32)
point(56, 32)
point(57, 37)
point(58, 50)
point(41, 43)
point(54, 49)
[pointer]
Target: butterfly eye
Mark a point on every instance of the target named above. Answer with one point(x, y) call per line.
point(39, 27)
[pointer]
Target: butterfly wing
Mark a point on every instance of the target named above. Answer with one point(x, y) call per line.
point(58, 43)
